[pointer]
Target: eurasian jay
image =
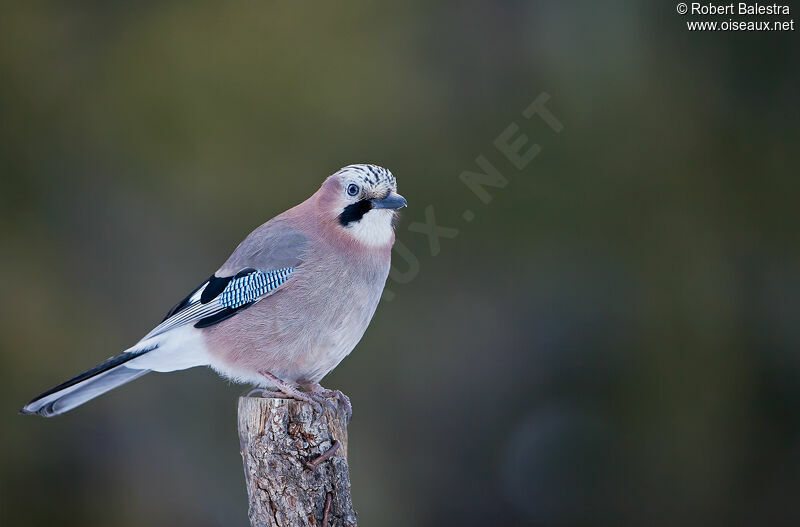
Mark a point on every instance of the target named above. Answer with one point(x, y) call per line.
point(290, 303)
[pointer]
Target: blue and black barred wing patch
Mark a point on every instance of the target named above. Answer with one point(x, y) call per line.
point(222, 297)
point(245, 289)
point(250, 286)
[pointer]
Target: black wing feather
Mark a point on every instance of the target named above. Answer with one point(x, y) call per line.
point(215, 286)
point(228, 312)
point(113, 362)
point(185, 302)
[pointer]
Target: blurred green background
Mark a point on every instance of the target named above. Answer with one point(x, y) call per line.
point(612, 340)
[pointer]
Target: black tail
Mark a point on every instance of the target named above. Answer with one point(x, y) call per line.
point(90, 384)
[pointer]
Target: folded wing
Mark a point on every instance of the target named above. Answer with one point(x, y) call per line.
point(219, 298)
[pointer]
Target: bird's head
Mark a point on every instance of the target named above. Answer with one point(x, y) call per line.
point(364, 200)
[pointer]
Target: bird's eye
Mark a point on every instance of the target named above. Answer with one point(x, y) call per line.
point(352, 189)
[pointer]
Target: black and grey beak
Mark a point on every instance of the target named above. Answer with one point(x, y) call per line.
point(392, 201)
point(355, 211)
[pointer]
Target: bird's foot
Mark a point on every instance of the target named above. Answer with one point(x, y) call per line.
point(312, 465)
point(321, 399)
point(343, 400)
point(291, 391)
point(267, 393)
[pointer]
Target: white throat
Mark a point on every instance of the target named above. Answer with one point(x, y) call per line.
point(374, 229)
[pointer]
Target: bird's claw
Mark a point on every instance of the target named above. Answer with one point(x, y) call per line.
point(343, 401)
point(324, 400)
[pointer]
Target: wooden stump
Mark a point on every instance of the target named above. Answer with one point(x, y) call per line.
point(278, 437)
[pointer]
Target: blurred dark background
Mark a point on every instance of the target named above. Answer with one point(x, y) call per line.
point(612, 340)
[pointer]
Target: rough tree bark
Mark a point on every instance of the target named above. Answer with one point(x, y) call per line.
point(280, 439)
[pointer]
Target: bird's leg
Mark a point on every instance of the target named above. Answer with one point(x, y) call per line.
point(320, 391)
point(291, 390)
point(312, 465)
